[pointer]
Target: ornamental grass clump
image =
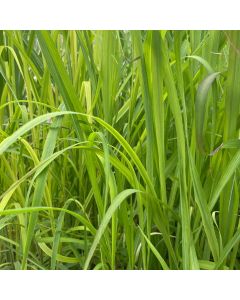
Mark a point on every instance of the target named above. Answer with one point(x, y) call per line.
point(119, 150)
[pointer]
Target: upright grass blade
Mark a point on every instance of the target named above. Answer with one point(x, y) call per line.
point(233, 88)
point(175, 108)
point(158, 110)
point(109, 72)
point(149, 125)
point(204, 211)
point(60, 76)
point(40, 185)
point(57, 236)
point(232, 108)
point(69, 97)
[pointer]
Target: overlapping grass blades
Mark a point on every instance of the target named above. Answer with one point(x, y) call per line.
point(119, 149)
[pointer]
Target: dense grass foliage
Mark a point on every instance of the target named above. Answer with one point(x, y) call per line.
point(119, 150)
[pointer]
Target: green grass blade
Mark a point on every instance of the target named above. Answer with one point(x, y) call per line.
point(107, 217)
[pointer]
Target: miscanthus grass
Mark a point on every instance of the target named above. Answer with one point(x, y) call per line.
point(119, 149)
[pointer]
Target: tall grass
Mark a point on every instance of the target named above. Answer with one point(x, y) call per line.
point(119, 149)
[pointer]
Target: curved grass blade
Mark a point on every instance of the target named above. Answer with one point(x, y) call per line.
point(200, 109)
point(107, 217)
point(229, 246)
point(83, 220)
point(6, 143)
point(155, 252)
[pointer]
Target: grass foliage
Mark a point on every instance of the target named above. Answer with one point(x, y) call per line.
point(119, 149)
